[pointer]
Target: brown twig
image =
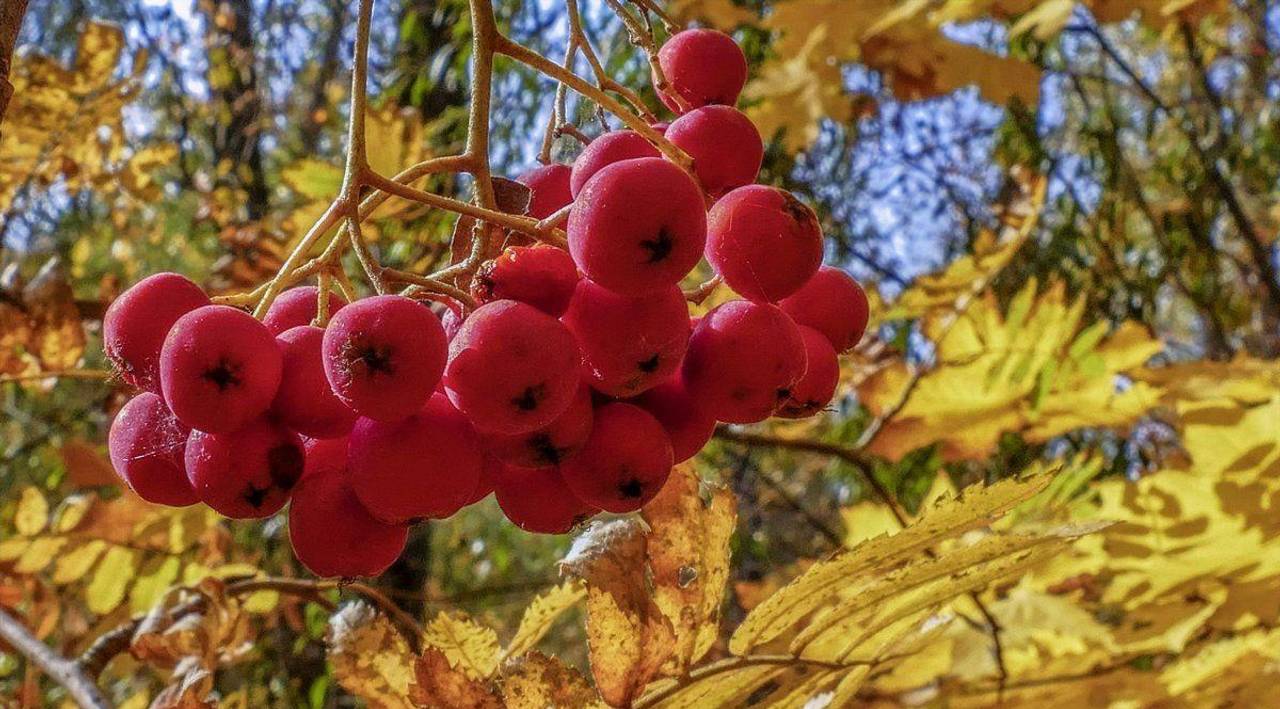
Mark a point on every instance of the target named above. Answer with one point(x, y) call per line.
point(11, 13)
point(67, 673)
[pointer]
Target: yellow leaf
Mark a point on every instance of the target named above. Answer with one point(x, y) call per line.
point(370, 659)
point(314, 179)
point(40, 554)
point(75, 564)
point(153, 581)
point(542, 614)
point(111, 579)
point(535, 681)
point(33, 512)
point(468, 646)
point(438, 683)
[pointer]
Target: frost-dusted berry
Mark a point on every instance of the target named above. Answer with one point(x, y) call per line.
point(383, 356)
point(423, 466)
point(629, 343)
point(248, 473)
point(704, 67)
point(548, 189)
point(538, 500)
point(331, 532)
point(304, 401)
point(686, 423)
point(625, 461)
point(136, 323)
point(724, 144)
point(743, 359)
point(832, 303)
point(219, 368)
point(146, 445)
point(764, 242)
point(550, 445)
point(542, 276)
point(813, 391)
point(512, 368)
point(298, 306)
point(639, 226)
point(606, 150)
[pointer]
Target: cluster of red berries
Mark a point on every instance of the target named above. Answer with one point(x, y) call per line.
point(574, 386)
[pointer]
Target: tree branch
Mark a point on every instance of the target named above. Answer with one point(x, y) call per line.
point(11, 12)
point(65, 672)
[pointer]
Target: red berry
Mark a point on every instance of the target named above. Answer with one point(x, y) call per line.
point(606, 150)
point(743, 359)
point(832, 303)
point(686, 423)
point(383, 356)
point(219, 368)
point(724, 144)
point(146, 444)
point(538, 500)
point(548, 189)
point(704, 67)
point(813, 391)
point(542, 276)
point(489, 470)
point(550, 445)
point(135, 325)
point(248, 473)
point(628, 343)
point(661, 127)
point(332, 534)
point(638, 226)
point(423, 466)
point(298, 306)
point(625, 461)
point(512, 368)
point(764, 242)
point(451, 321)
point(305, 402)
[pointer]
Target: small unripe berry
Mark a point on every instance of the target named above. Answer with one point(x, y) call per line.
point(606, 150)
point(542, 276)
point(219, 368)
point(248, 473)
point(550, 445)
point(813, 391)
point(383, 356)
point(686, 423)
point(639, 226)
point(724, 144)
point(629, 343)
point(305, 402)
point(538, 500)
point(704, 67)
point(548, 189)
point(298, 306)
point(146, 444)
point(764, 242)
point(832, 303)
point(136, 323)
point(625, 461)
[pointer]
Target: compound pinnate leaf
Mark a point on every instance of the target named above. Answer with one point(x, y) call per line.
point(469, 647)
point(33, 512)
point(541, 615)
point(535, 681)
point(369, 657)
point(440, 683)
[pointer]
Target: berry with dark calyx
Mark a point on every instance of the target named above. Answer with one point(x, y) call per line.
point(832, 303)
point(686, 423)
point(298, 306)
point(425, 466)
point(724, 144)
point(764, 242)
point(606, 150)
point(146, 445)
point(813, 391)
point(248, 473)
point(548, 189)
point(219, 368)
point(512, 368)
point(538, 500)
point(384, 355)
point(742, 361)
point(542, 276)
point(136, 323)
point(639, 226)
point(550, 445)
point(629, 343)
point(704, 67)
point(625, 461)
point(305, 402)
point(332, 534)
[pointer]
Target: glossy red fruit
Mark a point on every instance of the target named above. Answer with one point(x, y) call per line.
point(832, 303)
point(489, 470)
point(298, 306)
point(550, 445)
point(424, 466)
point(248, 473)
point(305, 402)
point(629, 343)
point(451, 321)
point(813, 391)
point(384, 355)
point(219, 369)
point(724, 144)
point(686, 423)
point(538, 500)
point(743, 359)
point(606, 150)
point(542, 276)
point(625, 461)
point(332, 534)
point(146, 445)
point(136, 323)
point(512, 368)
point(548, 189)
point(638, 227)
point(704, 67)
point(764, 242)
